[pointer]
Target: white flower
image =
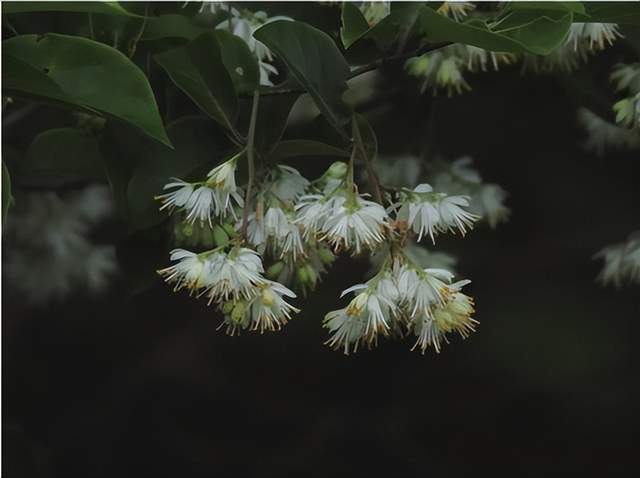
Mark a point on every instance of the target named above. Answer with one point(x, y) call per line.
point(355, 223)
point(603, 135)
point(222, 181)
point(288, 183)
point(597, 35)
point(312, 211)
point(628, 111)
point(189, 270)
point(428, 213)
point(234, 275)
point(454, 316)
point(201, 201)
point(347, 330)
point(626, 77)
point(283, 234)
point(621, 262)
point(421, 290)
point(269, 311)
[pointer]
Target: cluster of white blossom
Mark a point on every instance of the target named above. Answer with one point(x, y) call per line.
point(48, 250)
point(582, 41)
point(621, 262)
point(243, 23)
point(296, 227)
point(445, 69)
point(402, 297)
point(626, 78)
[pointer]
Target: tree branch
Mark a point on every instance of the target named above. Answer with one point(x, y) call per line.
point(363, 69)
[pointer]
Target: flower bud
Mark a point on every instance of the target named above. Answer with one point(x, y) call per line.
point(337, 170)
point(326, 256)
point(302, 275)
point(227, 307)
point(220, 237)
point(237, 314)
point(274, 271)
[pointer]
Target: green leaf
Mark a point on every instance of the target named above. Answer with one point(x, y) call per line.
point(7, 198)
point(519, 32)
point(240, 63)
point(199, 146)
point(354, 25)
point(627, 13)
point(296, 148)
point(380, 38)
point(171, 26)
point(575, 7)
point(63, 154)
point(108, 8)
point(82, 74)
point(314, 61)
point(199, 71)
point(273, 114)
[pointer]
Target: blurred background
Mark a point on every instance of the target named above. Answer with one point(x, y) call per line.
point(103, 379)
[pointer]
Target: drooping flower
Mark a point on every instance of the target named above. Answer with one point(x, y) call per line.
point(287, 183)
point(603, 135)
point(283, 234)
point(190, 270)
point(234, 275)
point(201, 201)
point(269, 311)
point(312, 211)
point(429, 213)
point(621, 262)
point(422, 289)
point(355, 223)
point(454, 316)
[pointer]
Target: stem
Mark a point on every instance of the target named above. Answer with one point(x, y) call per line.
point(352, 160)
point(373, 177)
point(363, 69)
point(251, 166)
point(91, 31)
point(134, 42)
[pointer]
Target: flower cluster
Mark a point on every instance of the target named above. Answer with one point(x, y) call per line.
point(234, 281)
point(206, 199)
point(402, 298)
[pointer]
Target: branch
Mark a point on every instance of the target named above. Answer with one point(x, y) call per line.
point(363, 69)
point(251, 166)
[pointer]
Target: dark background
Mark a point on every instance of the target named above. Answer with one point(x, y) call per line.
point(146, 386)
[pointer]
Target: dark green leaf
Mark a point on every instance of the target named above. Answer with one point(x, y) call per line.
point(109, 8)
point(299, 148)
point(240, 63)
point(63, 154)
point(354, 25)
point(7, 198)
point(199, 71)
point(171, 26)
point(528, 32)
point(314, 61)
point(197, 144)
point(87, 75)
point(272, 120)
point(575, 7)
point(627, 13)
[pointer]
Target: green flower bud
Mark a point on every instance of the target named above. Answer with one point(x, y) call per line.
point(326, 256)
point(187, 229)
point(220, 237)
point(237, 314)
point(312, 275)
point(337, 170)
point(227, 308)
point(274, 271)
point(207, 237)
point(302, 275)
